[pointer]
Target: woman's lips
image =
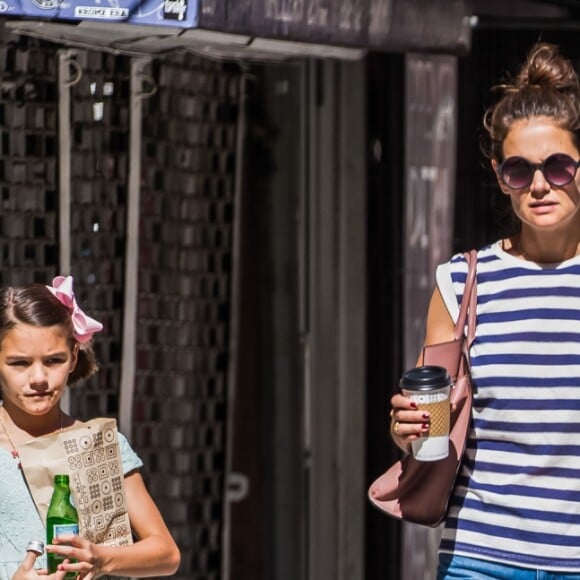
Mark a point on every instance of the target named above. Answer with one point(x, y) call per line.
point(542, 207)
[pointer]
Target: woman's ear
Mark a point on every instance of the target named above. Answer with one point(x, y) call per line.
point(495, 167)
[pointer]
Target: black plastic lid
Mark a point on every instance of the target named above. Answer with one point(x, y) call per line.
point(425, 378)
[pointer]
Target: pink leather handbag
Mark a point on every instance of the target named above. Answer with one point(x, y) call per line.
point(419, 491)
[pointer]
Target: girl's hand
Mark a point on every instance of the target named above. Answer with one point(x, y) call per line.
point(155, 553)
point(408, 423)
point(88, 558)
point(26, 570)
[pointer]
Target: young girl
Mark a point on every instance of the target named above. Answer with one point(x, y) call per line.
point(515, 512)
point(45, 345)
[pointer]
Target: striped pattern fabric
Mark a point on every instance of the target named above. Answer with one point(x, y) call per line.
point(518, 494)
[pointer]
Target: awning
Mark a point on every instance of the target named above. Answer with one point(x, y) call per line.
point(248, 28)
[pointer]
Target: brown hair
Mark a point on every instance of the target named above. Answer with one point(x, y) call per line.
point(546, 86)
point(37, 306)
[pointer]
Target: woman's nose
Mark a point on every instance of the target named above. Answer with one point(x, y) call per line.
point(539, 185)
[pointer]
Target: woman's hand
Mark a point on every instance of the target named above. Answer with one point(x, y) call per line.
point(89, 561)
point(408, 423)
point(26, 570)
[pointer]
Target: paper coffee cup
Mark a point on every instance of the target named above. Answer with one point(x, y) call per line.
point(429, 387)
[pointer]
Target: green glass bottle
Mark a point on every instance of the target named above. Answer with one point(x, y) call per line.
point(61, 518)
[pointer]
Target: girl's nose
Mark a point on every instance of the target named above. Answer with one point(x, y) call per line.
point(38, 377)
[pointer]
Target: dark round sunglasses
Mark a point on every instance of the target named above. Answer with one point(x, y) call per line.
point(558, 170)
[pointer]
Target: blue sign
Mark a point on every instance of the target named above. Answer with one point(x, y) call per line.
point(177, 13)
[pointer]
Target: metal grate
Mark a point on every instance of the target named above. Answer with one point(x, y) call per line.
point(184, 281)
point(99, 167)
point(28, 163)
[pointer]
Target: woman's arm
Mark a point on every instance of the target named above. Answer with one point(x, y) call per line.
point(408, 423)
point(439, 327)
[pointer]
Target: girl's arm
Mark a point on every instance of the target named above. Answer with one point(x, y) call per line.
point(155, 552)
point(26, 570)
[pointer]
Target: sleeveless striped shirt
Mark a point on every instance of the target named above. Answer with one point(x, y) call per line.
point(518, 495)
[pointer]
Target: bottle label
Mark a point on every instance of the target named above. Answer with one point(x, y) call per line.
point(59, 529)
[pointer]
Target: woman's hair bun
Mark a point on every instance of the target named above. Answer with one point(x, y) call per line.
point(546, 68)
point(546, 86)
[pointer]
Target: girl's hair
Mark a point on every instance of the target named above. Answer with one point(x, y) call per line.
point(37, 306)
point(546, 86)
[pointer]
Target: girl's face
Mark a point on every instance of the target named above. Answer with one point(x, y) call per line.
point(541, 205)
point(34, 366)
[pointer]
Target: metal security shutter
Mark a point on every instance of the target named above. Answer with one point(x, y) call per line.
point(185, 246)
point(99, 133)
point(28, 163)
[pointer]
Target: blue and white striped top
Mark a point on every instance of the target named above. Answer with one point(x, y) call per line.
point(518, 494)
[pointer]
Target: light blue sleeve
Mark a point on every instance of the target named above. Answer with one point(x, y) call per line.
point(130, 459)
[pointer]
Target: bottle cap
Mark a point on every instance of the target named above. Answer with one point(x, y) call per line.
point(35, 546)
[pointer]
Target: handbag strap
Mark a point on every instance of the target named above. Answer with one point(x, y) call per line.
point(467, 310)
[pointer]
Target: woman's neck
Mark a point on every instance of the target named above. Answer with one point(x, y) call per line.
point(544, 249)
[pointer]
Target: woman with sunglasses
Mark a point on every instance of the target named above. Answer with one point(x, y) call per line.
point(515, 512)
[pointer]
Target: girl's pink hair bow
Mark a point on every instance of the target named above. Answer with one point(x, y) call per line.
point(83, 326)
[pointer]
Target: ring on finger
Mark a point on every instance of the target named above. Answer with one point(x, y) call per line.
point(396, 427)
